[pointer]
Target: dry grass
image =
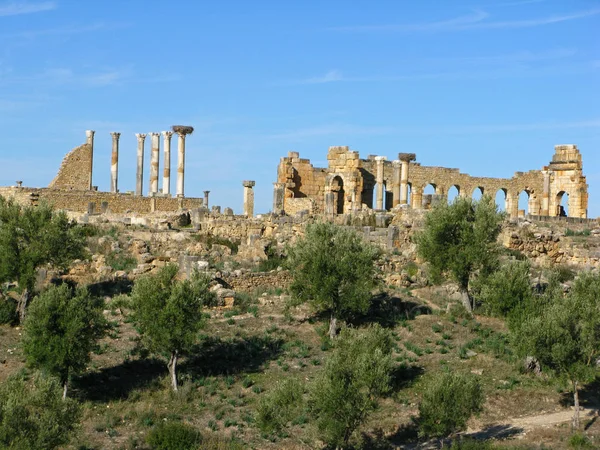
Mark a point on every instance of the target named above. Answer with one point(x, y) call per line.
point(240, 357)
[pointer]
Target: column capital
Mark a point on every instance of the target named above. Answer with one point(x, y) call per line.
point(154, 134)
point(396, 163)
point(380, 158)
point(206, 192)
point(89, 133)
point(115, 134)
point(249, 183)
point(167, 134)
point(140, 136)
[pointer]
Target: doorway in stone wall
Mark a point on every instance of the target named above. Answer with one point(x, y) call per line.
point(562, 204)
point(337, 187)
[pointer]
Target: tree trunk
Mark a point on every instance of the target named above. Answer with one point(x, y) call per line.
point(466, 299)
point(65, 388)
point(172, 369)
point(576, 400)
point(22, 305)
point(332, 327)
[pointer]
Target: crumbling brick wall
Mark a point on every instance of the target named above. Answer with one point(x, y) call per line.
point(74, 172)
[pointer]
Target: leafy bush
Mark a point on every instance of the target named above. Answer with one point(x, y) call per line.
point(33, 416)
point(507, 290)
point(570, 232)
point(121, 261)
point(276, 409)
point(173, 436)
point(449, 400)
point(8, 311)
point(356, 375)
point(470, 444)
point(580, 442)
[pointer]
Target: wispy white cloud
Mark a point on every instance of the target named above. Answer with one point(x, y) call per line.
point(16, 8)
point(475, 21)
point(331, 76)
point(331, 130)
point(65, 76)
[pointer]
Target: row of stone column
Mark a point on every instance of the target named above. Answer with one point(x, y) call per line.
point(399, 179)
point(154, 163)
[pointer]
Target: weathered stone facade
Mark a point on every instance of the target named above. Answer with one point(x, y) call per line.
point(74, 173)
point(352, 184)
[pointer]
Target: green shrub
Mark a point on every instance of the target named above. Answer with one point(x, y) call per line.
point(280, 406)
point(33, 414)
point(449, 400)
point(121, 261)
point(570, 232)
point(355, 377)
point(580, 442)
point(508, 290)
point(173, 436)
point(8, 311)
point(564, 273)
point(470, 444)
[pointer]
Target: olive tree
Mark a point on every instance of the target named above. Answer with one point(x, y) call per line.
point(333, 269)
point(565, 335)
point(355, 377)
point(61, 329)
point(168, 313)
point(33, 416)
point(32, 237)
point(459, 241)
point(449, 400)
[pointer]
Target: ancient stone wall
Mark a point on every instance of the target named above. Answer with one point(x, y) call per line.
point(97, 202)
point(74, 171)
point(351, 184)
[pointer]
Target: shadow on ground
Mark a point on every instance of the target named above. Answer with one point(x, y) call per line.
point(389, 310)
point(116, 382)
point(216, 356)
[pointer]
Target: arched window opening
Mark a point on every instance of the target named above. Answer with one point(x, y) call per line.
point(477, 193)
point(337, 187)
point(524, 203)
point(501, 200)
point(453, 193)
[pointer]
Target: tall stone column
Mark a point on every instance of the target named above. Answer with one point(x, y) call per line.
point(278, 198)
point(180, 164)
point(89, 134)
point(139, 180)
point(396, 186)
point(405, 159)
point(249, 198)
point(379, 180)
point(154, 153)
point(206, 198)
point(166, 186)
point(114, 163)
point(546, 194)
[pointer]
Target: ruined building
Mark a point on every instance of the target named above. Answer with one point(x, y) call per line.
point(352, 184)
point(72, 189)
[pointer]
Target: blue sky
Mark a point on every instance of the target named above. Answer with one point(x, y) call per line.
point(488, 86)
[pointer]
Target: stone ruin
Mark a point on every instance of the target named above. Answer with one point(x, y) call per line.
point(72, 189)
point(351, 184)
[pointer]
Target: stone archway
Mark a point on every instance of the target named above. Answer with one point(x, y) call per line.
point(339, 194)
point(562, 209)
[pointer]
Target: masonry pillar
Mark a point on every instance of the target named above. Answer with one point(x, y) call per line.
point(114, 163)
point(546, 194)
point(278, 198)
point(379, 180)
point(206, 198)
point(396, 184)
point(417, 198)
point(89, 134)
point(154, 154)
point(512, 207)
point(405, 159)
point(166, 186)
point(249, 198)
point(180, 164)
point(139, 180)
